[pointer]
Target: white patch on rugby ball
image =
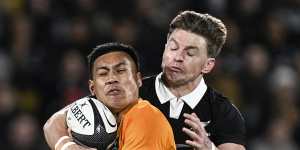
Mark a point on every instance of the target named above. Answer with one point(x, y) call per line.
point(80, 117)
point(109, 120)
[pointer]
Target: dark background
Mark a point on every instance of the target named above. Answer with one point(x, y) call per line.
point(44, 43)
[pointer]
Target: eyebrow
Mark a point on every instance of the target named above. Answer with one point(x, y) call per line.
point(115, 66)
point(101, 68)
point(191, 47)
point(172, 39)
point(120, 64)
point(186, 48)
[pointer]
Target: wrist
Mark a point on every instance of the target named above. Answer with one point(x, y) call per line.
point(61, 141)
point(66, 145)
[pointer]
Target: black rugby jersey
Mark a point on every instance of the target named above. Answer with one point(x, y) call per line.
point(226, 125)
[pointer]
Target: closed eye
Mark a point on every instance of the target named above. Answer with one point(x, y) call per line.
point(101, 73)
point(191, 53)
point(191, 50)
point(172, 45)
point(121, 70)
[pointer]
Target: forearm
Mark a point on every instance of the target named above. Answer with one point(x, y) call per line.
point(66, 143)
point(55, 128)
point(230, 146)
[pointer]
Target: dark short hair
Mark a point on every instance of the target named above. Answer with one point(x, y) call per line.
point(111, 47)
point(211, 28)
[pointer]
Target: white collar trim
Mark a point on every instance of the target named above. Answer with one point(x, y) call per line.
point(192, 99)
point(163, 93)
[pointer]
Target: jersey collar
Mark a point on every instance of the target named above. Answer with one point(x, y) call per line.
point(192, 99)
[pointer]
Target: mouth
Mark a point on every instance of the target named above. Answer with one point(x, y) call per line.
point(114, 91)
point(176, 69)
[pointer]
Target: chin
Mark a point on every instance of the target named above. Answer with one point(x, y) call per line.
point(177, 81)
point(116, 108)
point(175, 77)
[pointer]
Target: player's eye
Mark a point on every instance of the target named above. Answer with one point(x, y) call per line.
point(191, 53)
point(172, 45)
point(102, 73)
point(121, 70)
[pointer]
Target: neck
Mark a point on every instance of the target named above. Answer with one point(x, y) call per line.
point(184, 88)
point(121, 113)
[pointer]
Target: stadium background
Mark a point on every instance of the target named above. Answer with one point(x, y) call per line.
point(43, 44)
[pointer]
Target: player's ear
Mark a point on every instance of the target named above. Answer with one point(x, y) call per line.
point(139, 79)
point(92, 87)
point(209, 65)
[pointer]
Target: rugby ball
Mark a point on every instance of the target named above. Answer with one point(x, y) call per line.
point(92, 124)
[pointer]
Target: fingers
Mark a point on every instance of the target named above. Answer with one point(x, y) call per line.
point(192, 117)
point(196, 131)
point(193, 143)
point(195, 124)
point(78, 147)
point(194, 127)
point(193, 135)
point(69, 132)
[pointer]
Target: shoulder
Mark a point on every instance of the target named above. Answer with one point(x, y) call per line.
point(147, 90)
point(223, 108)
point(144, 108)
point(220, 101)
point(143, 116)
point(144, 127)
point(149, 80)
point(229, 123)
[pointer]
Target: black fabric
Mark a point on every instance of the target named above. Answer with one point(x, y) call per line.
point(226, 126)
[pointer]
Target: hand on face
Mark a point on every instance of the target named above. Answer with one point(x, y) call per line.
point(199, 137)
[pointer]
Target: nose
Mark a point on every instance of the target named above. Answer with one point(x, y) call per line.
point(111, 82)
point(112, 79)
point(179, 56)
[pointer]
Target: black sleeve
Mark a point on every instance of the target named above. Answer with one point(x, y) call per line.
point(229, 123)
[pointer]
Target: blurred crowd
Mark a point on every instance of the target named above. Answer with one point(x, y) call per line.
point(44, 43)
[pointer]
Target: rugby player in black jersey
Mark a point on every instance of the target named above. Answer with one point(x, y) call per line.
point(200, 116)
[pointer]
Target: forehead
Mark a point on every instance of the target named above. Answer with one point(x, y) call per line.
point(186, 38)
point(113, 58)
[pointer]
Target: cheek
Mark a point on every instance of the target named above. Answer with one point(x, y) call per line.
point(195, 66)
point(130, 85)
point(167, 57)
point(99, 86)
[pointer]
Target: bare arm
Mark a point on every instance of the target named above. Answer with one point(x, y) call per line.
point(230, 146)
point(56, 127)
